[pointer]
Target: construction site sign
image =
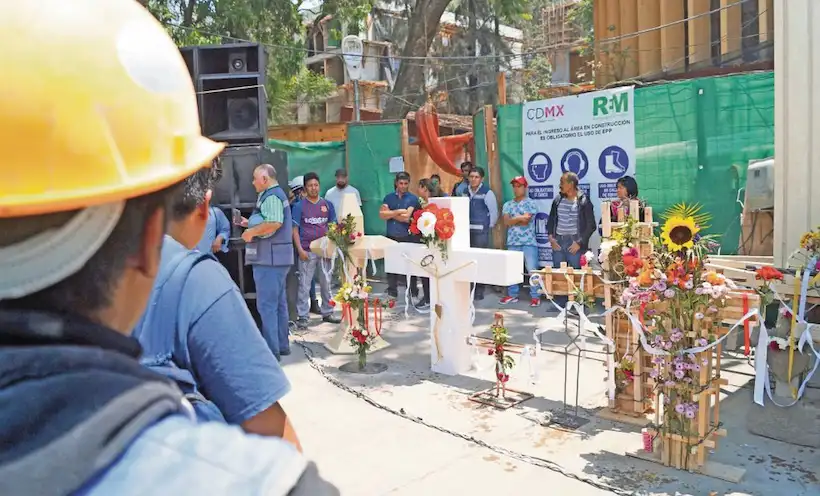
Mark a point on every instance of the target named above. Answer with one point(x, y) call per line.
point(592, 135)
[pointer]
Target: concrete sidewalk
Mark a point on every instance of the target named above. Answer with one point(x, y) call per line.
point(368, 451)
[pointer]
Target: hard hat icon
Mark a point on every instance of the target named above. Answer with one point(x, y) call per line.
point(539, 167)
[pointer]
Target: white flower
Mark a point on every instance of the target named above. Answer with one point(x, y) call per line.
point(589, 256)
point(427, 224)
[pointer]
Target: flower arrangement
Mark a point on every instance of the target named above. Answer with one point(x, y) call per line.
point(780, 344)
point(343, 234)
point(435, 225)
point(807, 257)
point(355, 299)
point(624, 373)
point(503, 361)
point(767, 275)
point(680, 301)
point(619, 255)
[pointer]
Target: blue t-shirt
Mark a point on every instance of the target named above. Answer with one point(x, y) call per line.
point(396, 202)
point(217, 225)
point(232, 364)
point(521, 235)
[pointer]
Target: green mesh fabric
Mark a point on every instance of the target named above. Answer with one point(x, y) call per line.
point(370, 146)
point(322, 158)
point(694, 141)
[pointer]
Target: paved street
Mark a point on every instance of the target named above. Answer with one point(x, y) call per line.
point(369, 451)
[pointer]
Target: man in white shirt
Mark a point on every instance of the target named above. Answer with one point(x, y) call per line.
point(335, 194)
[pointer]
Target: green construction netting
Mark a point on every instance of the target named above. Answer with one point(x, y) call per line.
point(370, 146)
point(322, 158)
point(694, 141)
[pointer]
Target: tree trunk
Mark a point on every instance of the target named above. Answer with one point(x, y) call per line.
point(423, 26)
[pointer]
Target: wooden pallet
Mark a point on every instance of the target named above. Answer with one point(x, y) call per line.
point(565, 280)
point(636, 400)
point(690, 451)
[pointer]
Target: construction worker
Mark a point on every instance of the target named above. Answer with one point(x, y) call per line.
point(217, 232)
point(99, 126)
point(198, 329)
point(269, 251)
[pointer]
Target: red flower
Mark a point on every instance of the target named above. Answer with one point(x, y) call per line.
point(414, 229)
point(332, 303)
point(502, 377)
point(632, 265)
point(445, 214)
point(359, 337)
point(417, 214)
point(376, 301)
point(359, 235)
point(767, 273)
point(490, 351)
point(773, 346)
point(391, 303)
point(445, 229)
point(583, 261)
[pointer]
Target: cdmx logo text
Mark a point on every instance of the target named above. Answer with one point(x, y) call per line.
point(548, 112)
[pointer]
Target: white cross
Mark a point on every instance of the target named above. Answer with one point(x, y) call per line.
point(450, 291)
point(363, 252)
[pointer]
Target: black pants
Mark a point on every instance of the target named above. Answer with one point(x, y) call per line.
point(479, 239)
point(393, 279)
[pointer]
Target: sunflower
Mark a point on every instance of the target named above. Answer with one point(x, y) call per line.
point(679, 233)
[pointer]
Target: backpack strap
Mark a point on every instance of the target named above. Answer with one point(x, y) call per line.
point(169, 304)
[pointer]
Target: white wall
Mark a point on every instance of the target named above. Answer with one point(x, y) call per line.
point(797, 123)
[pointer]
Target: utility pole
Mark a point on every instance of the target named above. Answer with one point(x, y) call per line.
point(352, 51)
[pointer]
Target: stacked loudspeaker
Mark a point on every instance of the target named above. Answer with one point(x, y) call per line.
point(230, 85)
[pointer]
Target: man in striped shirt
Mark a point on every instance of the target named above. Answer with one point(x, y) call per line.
point(571, 223)
point(269, 250)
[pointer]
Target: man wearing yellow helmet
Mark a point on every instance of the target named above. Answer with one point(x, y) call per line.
point(91, 166)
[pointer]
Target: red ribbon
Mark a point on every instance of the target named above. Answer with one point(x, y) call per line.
point(347, 313)
point(377, 319)
point(746, 333)
point(366, 315)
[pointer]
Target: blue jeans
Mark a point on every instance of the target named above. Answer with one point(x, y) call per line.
point(313, 290)
point(563, 255)
point(272, 303)
point(530, 264)
point(310, 270)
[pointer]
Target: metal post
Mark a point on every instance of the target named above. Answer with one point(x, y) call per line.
point(356, 113)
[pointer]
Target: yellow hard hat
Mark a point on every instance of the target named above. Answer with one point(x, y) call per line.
point(96, 106)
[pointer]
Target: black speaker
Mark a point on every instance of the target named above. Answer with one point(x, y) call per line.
point(235, 187)
point(230, 85)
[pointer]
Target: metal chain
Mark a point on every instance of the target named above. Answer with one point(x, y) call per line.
point(532, 460)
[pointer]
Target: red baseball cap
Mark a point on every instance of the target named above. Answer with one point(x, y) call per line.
point(521, 180)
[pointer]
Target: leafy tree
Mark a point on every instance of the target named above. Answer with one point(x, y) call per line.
point(582, 15)
point(275, 23)
point(537, 77)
